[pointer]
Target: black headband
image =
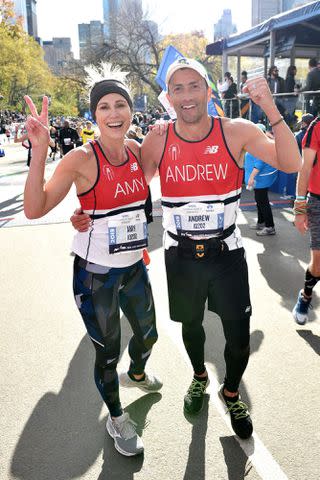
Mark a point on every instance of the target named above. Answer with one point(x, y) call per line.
point(104, 87)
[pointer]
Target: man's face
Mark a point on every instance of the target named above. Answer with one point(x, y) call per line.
point(189, 94)
point(275, 72)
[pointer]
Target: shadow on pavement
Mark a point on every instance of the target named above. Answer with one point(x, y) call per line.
point(312, 339)
point(115, 465)
point(236, 460)
point(214, 349)
point(64, 435)
point(5, 212)
point(279, 262)
point(196, 464)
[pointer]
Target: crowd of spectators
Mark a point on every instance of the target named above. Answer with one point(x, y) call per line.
point(279, 86)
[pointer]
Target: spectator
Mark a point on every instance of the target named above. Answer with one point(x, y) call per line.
point(259, 176)
point(67, 137)
point(290, 101)
point(87, 133)
point(306, 119)
point(231, 106)
point(312, 84)
point(244, 104)
point(276, 85)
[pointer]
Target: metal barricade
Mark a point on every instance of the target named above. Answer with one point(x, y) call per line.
point(288, 103)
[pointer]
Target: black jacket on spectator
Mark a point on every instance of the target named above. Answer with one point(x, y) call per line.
point(67, 138)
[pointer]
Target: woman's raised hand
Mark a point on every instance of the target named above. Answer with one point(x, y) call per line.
point(37, 125)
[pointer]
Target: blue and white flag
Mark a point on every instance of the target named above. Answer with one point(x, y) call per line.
point(170, 55)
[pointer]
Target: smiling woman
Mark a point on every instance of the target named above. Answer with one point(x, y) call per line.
point(109, 272)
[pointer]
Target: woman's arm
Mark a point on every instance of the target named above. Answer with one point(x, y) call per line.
point(40, 198)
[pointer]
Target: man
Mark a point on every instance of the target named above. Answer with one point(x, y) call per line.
point(200, 163)
point(244, 104)
point(68, 137)
point(313, 84)
point(306, 119)
point(307, 214)
point(276, 85)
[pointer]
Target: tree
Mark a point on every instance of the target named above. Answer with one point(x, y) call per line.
point(193, 45)
point(134, 44)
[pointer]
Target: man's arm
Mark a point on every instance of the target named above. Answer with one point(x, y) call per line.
point(151, 153)
point(300, 219)
point(282, 152)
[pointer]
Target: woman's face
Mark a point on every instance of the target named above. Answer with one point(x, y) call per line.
point(113, 115)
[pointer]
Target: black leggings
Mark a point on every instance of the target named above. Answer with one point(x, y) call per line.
point(99, 293)
point(263, 206)
point(223, 281)
point(236, 352)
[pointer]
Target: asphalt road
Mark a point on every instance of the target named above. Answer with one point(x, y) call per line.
point(52, 418)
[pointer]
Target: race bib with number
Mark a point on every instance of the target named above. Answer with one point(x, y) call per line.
point(199, 219)
point(67, 141)
point(127, 231)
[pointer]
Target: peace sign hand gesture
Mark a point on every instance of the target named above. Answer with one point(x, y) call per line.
point(37, 125)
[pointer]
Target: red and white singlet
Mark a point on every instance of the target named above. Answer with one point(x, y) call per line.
point(201, 187)
point(115, 204)
point(312, 140)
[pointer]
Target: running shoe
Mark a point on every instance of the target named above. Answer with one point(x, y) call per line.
point(301, 309)
point(149, 384)
point(193, 400)
point(257, 226)
point(266, 231)
point(239, 416)
point(123, 431)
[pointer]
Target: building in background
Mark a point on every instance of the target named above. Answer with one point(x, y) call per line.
point(110, 13)
point(91, 38)
point(31, 7)
point(20, 9)
point(224, 27)
point(262, 9)
point(57, 53)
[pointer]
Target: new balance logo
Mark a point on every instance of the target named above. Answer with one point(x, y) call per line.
point(211, 149)
point(134, 167)
point(248, 309)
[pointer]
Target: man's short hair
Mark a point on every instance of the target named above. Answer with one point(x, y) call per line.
point(313, 62)
point(244, 73)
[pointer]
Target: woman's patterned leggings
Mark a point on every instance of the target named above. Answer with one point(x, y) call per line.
point(99, 293)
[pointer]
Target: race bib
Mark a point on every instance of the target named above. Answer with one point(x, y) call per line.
point(128, 231)
point(67, 141)
point(199, 219)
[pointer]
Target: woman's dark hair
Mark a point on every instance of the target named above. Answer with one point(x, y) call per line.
point(292, 70)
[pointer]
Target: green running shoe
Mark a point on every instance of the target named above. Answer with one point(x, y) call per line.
point(193, 401)
point(239, 415)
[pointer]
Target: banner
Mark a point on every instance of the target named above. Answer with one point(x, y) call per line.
point(170, 55)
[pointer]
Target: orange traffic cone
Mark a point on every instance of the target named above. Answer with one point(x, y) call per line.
point(146, 257)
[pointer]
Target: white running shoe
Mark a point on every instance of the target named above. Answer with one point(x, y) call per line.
point(149, 384)
point(301, 309)
point(123, 431)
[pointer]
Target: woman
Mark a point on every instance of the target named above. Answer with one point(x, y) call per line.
point(108, 269)
point(259, 176)
point(290, 101)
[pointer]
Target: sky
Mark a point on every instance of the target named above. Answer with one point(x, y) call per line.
point(60, 18)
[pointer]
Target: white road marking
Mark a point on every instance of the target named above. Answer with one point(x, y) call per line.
point(257, 453)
